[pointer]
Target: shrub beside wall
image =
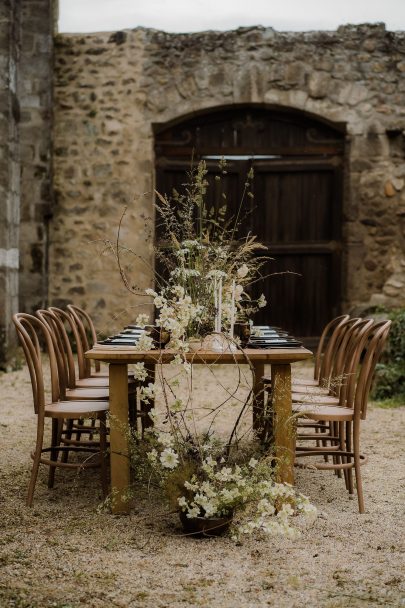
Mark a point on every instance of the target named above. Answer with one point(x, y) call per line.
point(390, 373)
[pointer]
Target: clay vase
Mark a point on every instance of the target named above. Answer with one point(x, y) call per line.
point(205, 526)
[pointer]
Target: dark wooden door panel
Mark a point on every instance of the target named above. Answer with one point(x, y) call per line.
point(294, 206)
point(296, 209)
point(300, 298)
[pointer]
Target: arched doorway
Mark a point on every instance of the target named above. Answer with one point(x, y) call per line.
point(297, 205)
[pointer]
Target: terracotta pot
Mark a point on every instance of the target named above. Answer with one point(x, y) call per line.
point(205, 526)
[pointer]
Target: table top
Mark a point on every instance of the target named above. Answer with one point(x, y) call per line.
point(128, 354)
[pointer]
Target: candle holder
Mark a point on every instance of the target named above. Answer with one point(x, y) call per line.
point(242, 331)
point(219, 343)
point(159, 335)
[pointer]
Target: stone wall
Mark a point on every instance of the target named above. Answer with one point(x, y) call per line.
point(26, 51)
point(111, 88)
point(9, 173)
point(35, 93)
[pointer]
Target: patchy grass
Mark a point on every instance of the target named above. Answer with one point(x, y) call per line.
point(392, 402)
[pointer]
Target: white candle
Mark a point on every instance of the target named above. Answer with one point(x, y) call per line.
point(216, 304)
point(220, 305)
point(232, 308)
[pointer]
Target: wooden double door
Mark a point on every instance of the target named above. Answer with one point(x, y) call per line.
point(296, 205)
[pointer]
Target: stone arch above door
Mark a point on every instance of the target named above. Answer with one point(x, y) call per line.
point(298, 164)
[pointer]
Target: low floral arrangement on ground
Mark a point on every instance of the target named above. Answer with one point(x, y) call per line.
point(207, 477)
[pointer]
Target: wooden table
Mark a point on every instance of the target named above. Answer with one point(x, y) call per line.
point(280, 360)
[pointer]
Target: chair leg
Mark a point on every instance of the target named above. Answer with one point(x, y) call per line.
point(356, 453)
point(56, 434)
point(68, 435)
point(36, 463)
point(342, 444)
point(337, 459)
point(349, 449)
point(103, 455)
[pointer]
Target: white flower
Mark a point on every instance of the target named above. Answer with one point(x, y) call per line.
point(145, 342)
point(147, 393)
point(253, 462)
point(176, 406)
point(178, 291)
point(187, 367)
point(142, 320)
point(182, 501)
point(209, 463)
point(177, 360)
point(151, 292)
point(261, 302)
point(140, 373)
point(169, 459)
point(159, 301)
point(238, 292)
point(193, 511)
point(152, 456)
point(242, 271)
point(153, 414)
point(165, 439)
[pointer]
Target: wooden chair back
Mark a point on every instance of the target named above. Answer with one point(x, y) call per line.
point(66, 320)
point(333, 360)
point(85, 327)
point(331, 328)
point(63, 349)
point(372, 355)
point(353, 345)
point(29, 328)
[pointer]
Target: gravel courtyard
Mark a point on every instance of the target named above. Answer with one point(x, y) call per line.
point(66, 553)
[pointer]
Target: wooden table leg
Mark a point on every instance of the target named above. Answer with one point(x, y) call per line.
point(284, 427)
point(120, 470)
point(258, 396)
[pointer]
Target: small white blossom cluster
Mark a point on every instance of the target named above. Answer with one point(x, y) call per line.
point(145, 342)
point(140, 372)
point(176, 312)
point(147, 393)
point(142, 320)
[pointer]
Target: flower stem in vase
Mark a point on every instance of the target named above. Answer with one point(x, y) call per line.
point(232, 309)
point(220, 306)
point(216, 304)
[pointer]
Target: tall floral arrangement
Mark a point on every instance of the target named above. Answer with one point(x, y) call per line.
point(199, 251)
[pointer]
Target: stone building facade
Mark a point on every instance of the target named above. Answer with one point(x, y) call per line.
point(111, 89)
point(84, 146)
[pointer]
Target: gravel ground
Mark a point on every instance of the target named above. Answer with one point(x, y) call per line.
point(64, 553)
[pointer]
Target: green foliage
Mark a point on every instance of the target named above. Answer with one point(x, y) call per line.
point(390, 373)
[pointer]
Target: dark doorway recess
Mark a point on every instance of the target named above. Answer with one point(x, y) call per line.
point(297, 206)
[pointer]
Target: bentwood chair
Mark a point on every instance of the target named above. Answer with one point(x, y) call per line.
point(348, 417)
point(324, 352)
point(83, 327)
point(335, 373)
point(329, 363)
point(70, 388)
point(31, 330)
point(345, 369)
